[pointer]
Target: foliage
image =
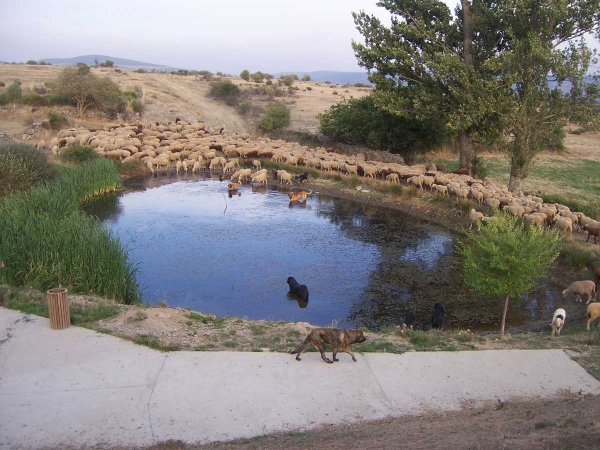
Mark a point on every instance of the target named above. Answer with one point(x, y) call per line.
point(12, 93)
point(257, 77)
point(362, 121)
point(2, 84)
point(33, 99)
point(107, 63)
point(306, 77)
point(22, 167)
point(86, 90)
point(245, 75)
point(78, 154)
point(46, 241)
point(276, 116)
point(137, 106)
point(55, 120)
point(31, 62)
point(288, 80)
point(225, 91)
point(486, 71)
point(507, 258)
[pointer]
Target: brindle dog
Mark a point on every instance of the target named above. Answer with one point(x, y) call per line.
point(339, 339)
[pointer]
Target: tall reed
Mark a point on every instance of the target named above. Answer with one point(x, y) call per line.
point(46, 241)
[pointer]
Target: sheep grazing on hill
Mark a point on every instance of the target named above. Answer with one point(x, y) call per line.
point(592, 312)
point(476, 218)
point(558, 320)
point(593, 230)
point(579, 288)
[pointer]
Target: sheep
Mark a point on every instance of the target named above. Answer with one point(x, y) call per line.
point(592, 312)
point(476, 217)
point(178, 166)
point(462, 193)
point(428, 181)
point(350, 169)
point(244, 174)
point(261, 178)
point(593, 230)
point(256, 164)
point(185, 166)
point(392, 178)
point(585, 287)
point(150, 166)
point(287, 177)
point(196, 167)
point(493, 203)
point(564, 224)
point(477, 196)
point(416, 181)
point(533, 219)
point(438, 188)
point(558, 320)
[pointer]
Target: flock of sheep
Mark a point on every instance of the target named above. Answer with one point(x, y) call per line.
point(198, 147)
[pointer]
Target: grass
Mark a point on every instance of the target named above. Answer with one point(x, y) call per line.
point(47, 242)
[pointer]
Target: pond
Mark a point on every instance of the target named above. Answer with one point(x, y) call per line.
point(196, 247)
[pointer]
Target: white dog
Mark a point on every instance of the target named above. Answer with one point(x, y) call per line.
point(558, 321)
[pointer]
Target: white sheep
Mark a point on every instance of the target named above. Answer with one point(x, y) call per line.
point(392, 178)
point(564, 224)
point(256, 164)
point(440, 189)
point(558, 320)
point(585, 287)
point(178, 166)
point(476, 218)
point(592, 312)
point(416, 181)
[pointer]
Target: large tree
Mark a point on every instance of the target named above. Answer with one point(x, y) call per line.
point(85, 89)
point(488, 70)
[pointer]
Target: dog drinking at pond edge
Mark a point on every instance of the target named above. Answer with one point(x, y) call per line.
point(340, 340)
point(297, 289)
point(297, 196)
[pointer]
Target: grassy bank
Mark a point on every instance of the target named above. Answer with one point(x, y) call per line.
point(46, 241)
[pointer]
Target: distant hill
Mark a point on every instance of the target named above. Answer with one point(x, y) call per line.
point(330, 75)
point(122, 63)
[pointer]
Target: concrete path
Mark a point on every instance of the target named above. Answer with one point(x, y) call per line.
point(79, 387)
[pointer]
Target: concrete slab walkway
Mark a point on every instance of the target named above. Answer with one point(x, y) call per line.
point(78, 387)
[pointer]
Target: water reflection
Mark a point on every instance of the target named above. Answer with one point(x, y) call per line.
point(198, 248)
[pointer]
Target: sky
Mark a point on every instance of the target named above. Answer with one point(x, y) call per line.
point(218, 35)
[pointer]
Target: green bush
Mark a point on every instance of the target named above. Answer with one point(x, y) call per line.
point(55, 120)
point(58, 99)
point(78, 154)
point(31, 62)
point(33, 100)
point(257, 77)
point(225, 91)
point(130, 95)
point(13, 92)
point(245, 75)
point(276, 116)
point(306, 77)
point(288, 80)
point(2, 84)
point(137, 106)
point(22, 167)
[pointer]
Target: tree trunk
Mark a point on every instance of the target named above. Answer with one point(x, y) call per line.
point(504, 318)
point(516, 179)
point(467, 151)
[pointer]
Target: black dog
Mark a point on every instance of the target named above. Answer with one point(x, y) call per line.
point(302, 177)
point(437, 318)
point(299, 290)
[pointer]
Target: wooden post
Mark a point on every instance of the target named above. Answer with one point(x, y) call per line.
point(58, 306)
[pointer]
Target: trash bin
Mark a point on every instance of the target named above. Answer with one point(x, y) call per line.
point(58, 307)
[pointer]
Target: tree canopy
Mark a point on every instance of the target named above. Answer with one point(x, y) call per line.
point(487, 70)
point(85, 89)
point(362, 121)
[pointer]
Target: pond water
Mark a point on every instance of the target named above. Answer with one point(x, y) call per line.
point(198, 248)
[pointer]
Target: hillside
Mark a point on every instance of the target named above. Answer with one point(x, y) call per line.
point(90, 60)
point(169, 96)
point(332, 76)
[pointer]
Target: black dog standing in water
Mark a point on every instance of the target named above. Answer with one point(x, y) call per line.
point(437, 318)
point(298, 290)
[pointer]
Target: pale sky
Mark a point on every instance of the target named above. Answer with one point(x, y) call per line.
point(218, 35)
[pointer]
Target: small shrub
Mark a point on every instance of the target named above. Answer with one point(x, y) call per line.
point(55, 120)
point(118, 70)
point(269, 83)
point(577, 131)
point(31, 62)
point(276, 116)
point(244, 108)
point(308, 88)
point(306, 78)
point(13, 92)
point(140, 70)
point(288, 80)
point(2, 84)
point(225, 91)
point(33, 100)
point(137, 106)
point(327, 82)
point(58, 99)
point(78, 154)
point(22, 167)
point(40, 90)
point(395, 189)
point(130, 95)
point(245, 75)
point(335, 93)
point(131, 168)
point(480, 168)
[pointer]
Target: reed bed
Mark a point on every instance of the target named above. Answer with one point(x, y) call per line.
point(46, 241)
